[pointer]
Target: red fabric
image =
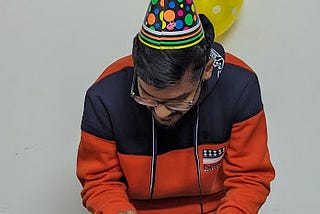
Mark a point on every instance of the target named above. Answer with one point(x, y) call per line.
point(116, 66)
point(247, 167)
point(231, 59)
point(98, 171)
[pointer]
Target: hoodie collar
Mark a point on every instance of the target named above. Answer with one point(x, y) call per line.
point(208, 86)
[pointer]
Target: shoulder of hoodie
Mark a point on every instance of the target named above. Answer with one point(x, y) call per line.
point(235, 71)
point(237, 87)
point(114, 77)
point(236, 76)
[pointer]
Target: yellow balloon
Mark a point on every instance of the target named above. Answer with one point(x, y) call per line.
point(222, 13)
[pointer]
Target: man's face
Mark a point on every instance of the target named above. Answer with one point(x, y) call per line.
point(183, 91)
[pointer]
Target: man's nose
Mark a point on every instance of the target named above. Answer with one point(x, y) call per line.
point(162, 111)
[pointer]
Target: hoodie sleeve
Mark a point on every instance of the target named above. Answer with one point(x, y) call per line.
point(247, 164)
point(98, 167)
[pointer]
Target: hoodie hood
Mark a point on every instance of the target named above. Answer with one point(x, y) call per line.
point(218, 66)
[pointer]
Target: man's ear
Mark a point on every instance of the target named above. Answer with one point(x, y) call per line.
point(208, 70)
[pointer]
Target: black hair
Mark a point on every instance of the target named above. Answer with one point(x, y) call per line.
point(164, 68)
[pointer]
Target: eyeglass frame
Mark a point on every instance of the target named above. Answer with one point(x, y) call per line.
point(189, 104)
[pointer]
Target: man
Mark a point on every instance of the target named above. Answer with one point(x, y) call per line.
point(178, 127)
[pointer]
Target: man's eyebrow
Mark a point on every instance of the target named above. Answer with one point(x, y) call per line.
point(180, 97)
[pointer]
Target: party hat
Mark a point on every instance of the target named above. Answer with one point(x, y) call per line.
point(171, 24)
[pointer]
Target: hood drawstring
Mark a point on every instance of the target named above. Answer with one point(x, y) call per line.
point(196, 156)
point(154, 158)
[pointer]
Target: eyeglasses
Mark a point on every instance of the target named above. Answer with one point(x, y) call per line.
point(175, 106)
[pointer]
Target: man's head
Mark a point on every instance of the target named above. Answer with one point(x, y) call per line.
point(171, 59)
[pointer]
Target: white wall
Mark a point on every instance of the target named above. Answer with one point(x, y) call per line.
point(51, 51)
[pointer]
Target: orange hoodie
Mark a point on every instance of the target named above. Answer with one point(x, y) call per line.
point(121, 167)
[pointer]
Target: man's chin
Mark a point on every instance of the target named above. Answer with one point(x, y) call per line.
point(167, 123)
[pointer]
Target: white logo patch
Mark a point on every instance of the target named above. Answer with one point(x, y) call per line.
point(212, 159)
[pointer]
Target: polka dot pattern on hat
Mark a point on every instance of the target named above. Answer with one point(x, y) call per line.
point(171, 15)
point(171, 24)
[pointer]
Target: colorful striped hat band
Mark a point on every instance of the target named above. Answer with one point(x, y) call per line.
point(171, 24)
